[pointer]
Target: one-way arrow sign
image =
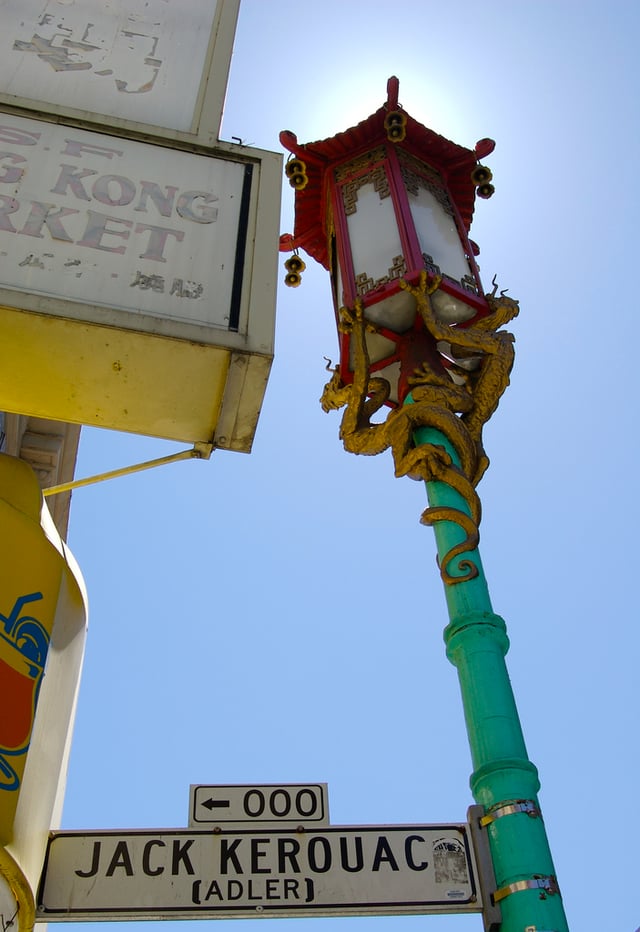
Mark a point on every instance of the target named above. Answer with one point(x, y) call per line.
point(271, 804)
point(216, 803)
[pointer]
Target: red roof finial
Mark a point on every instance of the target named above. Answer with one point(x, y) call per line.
point(393, 86)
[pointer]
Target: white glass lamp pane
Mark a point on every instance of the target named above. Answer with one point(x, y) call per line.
point(338, 285)
point(437, 234)
point(449, 309)
point(397, 312)
point(374, 238)
point(378, 347)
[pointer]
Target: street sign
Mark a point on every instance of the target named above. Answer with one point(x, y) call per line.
point(271, 804)
point(178, 874)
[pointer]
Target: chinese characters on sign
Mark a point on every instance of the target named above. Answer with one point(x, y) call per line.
point(140, 60)
point(157, 283)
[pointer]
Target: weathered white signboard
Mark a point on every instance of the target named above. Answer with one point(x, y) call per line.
point(161, 63)
point(267, 804)
point(274, 872)
point(121, 224)
point(113, 233)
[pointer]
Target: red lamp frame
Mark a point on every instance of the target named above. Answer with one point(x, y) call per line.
point(386, 140)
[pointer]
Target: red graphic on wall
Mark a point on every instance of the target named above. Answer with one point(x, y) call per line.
point(24, 643)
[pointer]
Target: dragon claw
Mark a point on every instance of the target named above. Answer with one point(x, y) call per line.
point(349, 317)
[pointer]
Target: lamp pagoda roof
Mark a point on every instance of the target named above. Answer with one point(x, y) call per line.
point(455, 163)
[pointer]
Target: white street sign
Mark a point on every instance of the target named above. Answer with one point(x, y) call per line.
point(178, 874)
point(272, 804)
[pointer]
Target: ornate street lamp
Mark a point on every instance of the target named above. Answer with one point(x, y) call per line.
point(386, 208)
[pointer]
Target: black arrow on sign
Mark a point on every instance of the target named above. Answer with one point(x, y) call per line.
point(216, 804)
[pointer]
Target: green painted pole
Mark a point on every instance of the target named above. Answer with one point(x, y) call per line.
point(504, 780)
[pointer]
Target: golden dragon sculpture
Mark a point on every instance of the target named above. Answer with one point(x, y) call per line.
point(457, 408)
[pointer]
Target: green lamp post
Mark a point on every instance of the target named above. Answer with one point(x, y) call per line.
point(386, 208)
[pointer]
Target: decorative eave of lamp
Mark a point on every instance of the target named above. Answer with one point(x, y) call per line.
point(379, 204)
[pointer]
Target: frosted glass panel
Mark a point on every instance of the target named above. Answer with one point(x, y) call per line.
point(374, 236)
point(397, 311)
point(437, 234)
point(338, 285)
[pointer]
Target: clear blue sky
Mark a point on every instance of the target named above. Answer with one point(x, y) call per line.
point(278, 617)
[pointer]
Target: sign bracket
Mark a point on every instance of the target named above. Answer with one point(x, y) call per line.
point(201, 451)
point(491, 913)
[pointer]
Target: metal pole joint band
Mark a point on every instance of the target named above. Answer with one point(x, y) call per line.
point(547, 885)
point(511, 808)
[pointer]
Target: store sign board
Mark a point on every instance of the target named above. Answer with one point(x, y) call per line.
point(126, 237)
point(121, 224)
point(153, 62)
